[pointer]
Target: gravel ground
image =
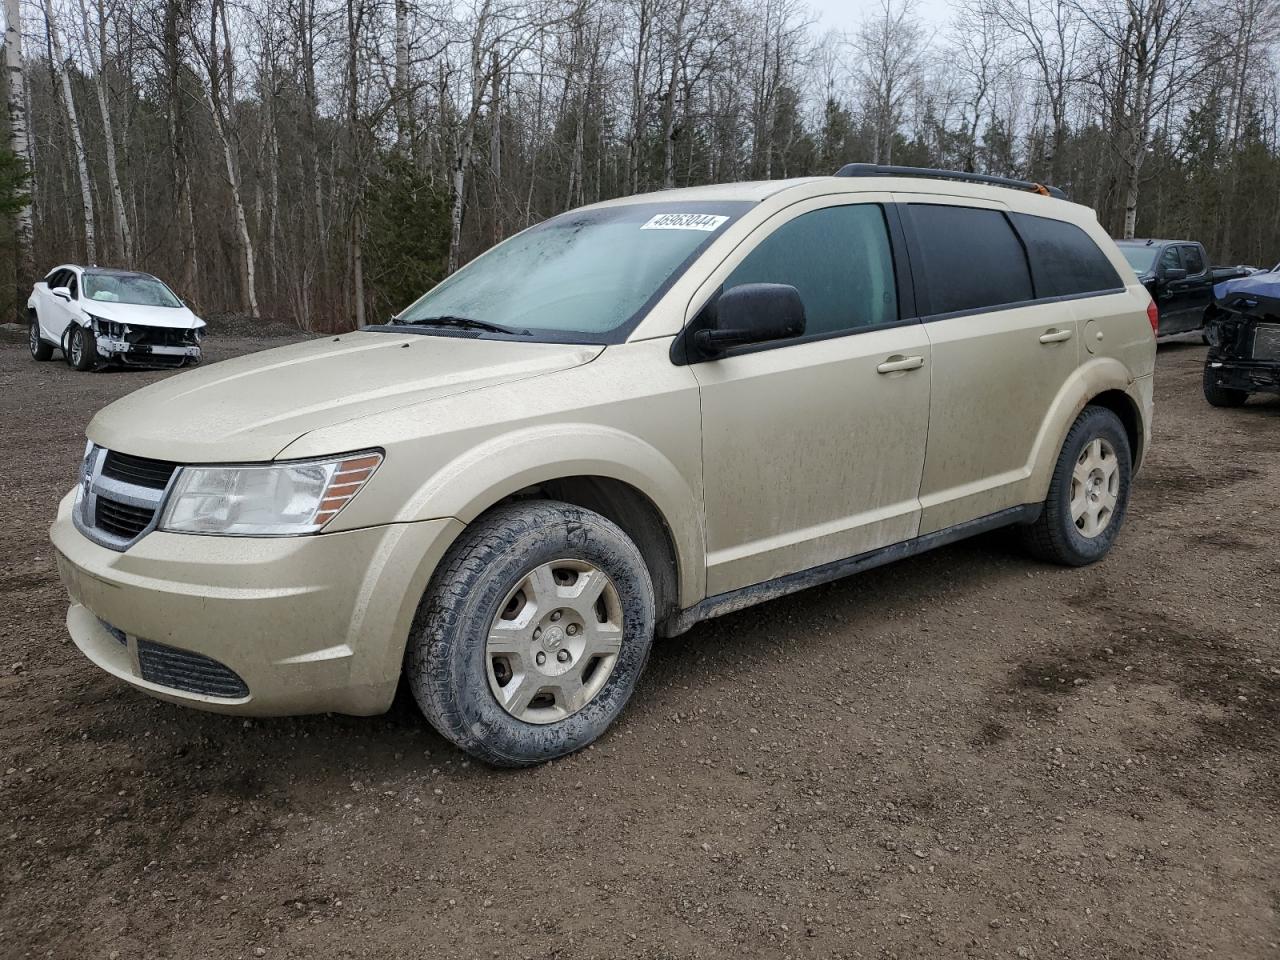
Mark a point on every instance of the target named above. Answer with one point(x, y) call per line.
point(964, 754)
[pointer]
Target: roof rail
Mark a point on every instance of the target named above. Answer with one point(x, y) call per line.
point(882, 170)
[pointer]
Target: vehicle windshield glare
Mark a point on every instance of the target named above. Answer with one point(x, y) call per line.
point(588, 275)
point(128, 288)
point(1140, 257)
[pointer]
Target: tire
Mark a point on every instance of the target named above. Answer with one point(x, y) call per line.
point(41, 349)
point(1219, 396)
point(477, 637)
point(1095, 451)
point(82, 348)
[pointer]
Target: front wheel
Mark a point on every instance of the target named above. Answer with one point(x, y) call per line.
point(40, 348)
point(1088, 494)
point(1219, 396)
point(532, 634)
point(82, 348)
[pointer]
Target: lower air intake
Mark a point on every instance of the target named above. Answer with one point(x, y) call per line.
point(188, 672)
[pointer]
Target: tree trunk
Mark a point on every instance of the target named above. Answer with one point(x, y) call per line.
point(123, 237)
point(20, 144)
point(77, 141)
point(182, 201)
point(222, 114)
point(403, 106)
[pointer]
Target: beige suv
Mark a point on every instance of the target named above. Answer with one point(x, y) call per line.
point(624, 420)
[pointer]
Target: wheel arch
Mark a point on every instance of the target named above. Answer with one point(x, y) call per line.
point(603, 469)
point(1103, 381)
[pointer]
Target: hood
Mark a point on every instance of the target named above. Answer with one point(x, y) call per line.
point(252, 407)
point(138, 314)
point(1259, 284)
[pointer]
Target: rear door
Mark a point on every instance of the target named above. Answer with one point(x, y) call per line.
point(50, 309)
point(1199, 282)
point(1177, 296)
point(812, 447)
point(1000, 356)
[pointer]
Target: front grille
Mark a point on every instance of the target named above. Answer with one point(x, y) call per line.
point(139, 470)
point(120, 519)
point(189, 672)
point(1266, 341)
point(161, 336)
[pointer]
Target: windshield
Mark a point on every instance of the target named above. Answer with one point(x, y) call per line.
point(588, 275)
point(1140, 257)
point(128, 288)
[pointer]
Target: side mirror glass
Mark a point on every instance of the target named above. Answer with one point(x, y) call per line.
point(62, 292)
point(1173, 273)
point(751, 313)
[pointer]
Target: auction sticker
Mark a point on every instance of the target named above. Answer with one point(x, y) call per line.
point(685, 221)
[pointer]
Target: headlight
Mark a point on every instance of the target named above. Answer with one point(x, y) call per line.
point(267, 500)
point(110, 327)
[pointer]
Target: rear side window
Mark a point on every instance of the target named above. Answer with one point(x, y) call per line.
point(972, 258)
point(1192, 259)
point(1064, 259)
point(1169, 260)
point(838, 258)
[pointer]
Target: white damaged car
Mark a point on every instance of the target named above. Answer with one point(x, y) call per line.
point(97, 317)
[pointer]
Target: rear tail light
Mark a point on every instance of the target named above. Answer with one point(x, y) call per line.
point(1153, 316)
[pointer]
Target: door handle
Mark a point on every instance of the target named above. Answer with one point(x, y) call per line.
point(895, 364)
point(1055, 336)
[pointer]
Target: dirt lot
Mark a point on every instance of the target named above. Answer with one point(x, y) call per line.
point(965, 754)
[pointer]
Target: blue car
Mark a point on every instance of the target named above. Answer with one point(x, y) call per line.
point(1242, 326)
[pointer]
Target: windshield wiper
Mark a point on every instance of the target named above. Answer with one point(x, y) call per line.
point(469, 323)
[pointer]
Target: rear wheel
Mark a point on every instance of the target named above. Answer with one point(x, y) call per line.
point(532, 634)
point(82, 348)
point(1219, 396)
point(40, 348)
point(1088, 494)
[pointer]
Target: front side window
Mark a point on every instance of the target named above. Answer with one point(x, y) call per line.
point(972, 259)
point(586, 276)
point(1141, 258)
point(839, 260)
point(1064, 259)
point(73, 285)
point(1192, 259)
point(128, 288)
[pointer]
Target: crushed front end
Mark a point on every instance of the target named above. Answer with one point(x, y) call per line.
point(1244, 343)
point(143, 345)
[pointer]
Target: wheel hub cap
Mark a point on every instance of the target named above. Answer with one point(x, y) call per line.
point(1095, 488)
point(555, 641)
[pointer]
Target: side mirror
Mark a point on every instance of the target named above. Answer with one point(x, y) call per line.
point(751, 313)
point(1173, 273)
point(62, 292)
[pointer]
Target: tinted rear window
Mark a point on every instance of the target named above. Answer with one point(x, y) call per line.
point(972, 258)
point(1064, 259)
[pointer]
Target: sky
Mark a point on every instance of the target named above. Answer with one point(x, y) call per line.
point(845, 14)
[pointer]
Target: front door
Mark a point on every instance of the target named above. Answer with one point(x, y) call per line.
point(812, 448)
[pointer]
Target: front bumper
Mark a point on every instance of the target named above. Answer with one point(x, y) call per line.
point(145, 354)
point(1254, 376)
point(308, 624)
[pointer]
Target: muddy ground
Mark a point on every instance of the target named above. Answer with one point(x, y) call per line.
point(964, 754)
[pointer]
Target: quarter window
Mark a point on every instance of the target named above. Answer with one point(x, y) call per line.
point(971, 257)
point(1064, 259)
point(840, 261)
